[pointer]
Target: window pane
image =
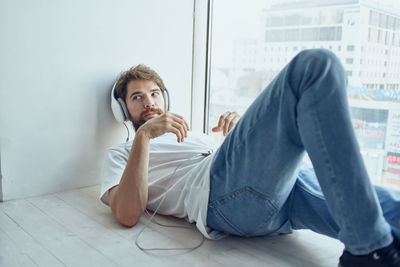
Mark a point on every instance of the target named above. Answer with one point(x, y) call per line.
point(253, 40)
point(391, 23)
point(374, 18)
point(277, 21)
point(327, 33)
point(293, 19)
point(382, 20)
point(292, 35)
point(310, 34)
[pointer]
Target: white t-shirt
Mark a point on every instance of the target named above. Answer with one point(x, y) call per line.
point(183, 168)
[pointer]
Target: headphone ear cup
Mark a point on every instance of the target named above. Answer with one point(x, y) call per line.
point(118, 107)
point(123, 108)
point(166, 99)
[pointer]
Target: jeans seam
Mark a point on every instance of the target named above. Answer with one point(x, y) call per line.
point(217, 212)
point(332, 170)
point(291, 207)
point(249, 189)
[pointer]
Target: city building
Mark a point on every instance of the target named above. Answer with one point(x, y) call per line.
point(366, 38)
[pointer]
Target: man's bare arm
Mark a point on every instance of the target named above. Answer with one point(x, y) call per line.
point(128, 200)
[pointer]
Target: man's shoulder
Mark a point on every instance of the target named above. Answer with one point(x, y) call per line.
point(122, 148)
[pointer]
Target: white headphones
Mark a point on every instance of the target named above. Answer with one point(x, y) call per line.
point(119, 109)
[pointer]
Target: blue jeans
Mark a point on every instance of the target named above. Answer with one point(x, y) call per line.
point(258, 185)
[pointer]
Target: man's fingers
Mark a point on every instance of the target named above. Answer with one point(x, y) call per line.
point(186, 125)
point(222, 118)
point(167, 122)
point(227, 121)
point(182, 126)
point(216, 129)
point(179, 119)
point(177, 125)
point(181, 129)
point(221, 122)
point(233, 122)
point(176, 129)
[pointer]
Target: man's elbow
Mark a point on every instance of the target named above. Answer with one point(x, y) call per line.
point(127, 215)
point(124, 215)
point(127, 220)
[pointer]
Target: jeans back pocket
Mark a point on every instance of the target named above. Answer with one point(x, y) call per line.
point(244, 212)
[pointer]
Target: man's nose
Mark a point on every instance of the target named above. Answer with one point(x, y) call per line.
point(148, 102)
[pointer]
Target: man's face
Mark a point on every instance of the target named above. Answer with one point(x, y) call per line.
point(144, 101)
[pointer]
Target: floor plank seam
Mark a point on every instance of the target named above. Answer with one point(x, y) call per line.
point(32, 237)
point(76, 234)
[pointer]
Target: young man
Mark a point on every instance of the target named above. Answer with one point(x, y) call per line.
point(255, 184)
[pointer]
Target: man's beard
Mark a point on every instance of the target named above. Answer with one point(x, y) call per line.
point(141, 120)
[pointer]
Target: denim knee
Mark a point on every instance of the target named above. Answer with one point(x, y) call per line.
point(319, 68)
point(318, 57)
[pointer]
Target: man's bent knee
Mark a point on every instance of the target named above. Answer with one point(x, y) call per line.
point(310, 66)
point(318, 56)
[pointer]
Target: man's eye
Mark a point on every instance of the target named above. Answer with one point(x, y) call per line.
point(155, 94)
point(136, 97)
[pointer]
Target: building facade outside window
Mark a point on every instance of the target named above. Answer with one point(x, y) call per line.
point(364, 34)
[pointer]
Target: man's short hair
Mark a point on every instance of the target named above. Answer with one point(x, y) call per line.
point(139, 72)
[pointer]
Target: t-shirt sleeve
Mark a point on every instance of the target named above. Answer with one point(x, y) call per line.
point(113, 168)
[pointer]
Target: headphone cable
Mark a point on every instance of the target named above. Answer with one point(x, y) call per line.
point(127, 139)
point(175, 226)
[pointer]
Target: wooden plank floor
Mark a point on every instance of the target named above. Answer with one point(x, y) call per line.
point(74, 228)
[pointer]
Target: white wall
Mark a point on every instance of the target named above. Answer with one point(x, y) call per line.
point(58, 60)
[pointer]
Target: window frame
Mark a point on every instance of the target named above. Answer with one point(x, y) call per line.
point(201, 65)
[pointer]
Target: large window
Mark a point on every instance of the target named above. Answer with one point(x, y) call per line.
point(253, 40)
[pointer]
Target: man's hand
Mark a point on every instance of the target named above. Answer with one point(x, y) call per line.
point(226, 122)
point(166, 122)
